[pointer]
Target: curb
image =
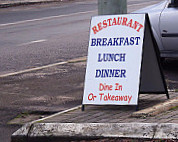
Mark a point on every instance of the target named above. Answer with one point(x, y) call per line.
point(21, 135)
point(6, 5)
point(86, 131)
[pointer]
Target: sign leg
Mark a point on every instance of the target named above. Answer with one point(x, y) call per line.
point(83, 108)
point(167, 94)
point(137, 107)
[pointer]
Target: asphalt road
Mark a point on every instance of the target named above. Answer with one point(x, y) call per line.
point(44, 41)
point(38, 35)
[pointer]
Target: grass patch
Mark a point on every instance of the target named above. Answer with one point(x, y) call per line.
point(174, 108)
point(23, 114)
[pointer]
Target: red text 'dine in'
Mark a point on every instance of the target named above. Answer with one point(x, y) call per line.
point(123, 21)
point(106, 87)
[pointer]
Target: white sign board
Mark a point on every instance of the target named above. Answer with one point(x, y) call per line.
point(114, 59)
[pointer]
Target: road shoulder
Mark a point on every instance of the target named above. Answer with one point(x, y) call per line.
point(74, 129)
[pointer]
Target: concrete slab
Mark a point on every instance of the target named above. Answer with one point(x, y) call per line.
point(81, 131)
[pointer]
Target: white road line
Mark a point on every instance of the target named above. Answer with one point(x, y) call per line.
point(32, 69)
point(45, 18)
point(31, 42)
point(80, 59)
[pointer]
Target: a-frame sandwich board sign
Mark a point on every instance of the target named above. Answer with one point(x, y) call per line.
point(122, 61)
